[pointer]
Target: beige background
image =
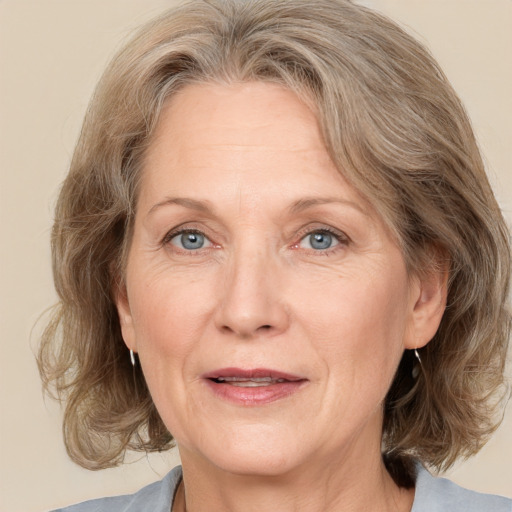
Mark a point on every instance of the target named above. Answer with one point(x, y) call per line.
point(52, 52)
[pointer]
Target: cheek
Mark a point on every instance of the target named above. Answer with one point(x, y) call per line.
point(358, 321)
point(169, 311)
point(170, 318)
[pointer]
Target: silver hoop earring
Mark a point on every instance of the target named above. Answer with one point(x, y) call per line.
point(132, 358)
point(416, 367)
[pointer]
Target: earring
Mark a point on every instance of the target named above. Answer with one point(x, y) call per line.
point(416, 367)
point(132, 358)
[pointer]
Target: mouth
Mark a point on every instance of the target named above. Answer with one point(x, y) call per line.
point(248, 383)
point(252, 387)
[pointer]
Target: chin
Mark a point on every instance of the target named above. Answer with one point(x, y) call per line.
point(250, 452)
point(261, 462)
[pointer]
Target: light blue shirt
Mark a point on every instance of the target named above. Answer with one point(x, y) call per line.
point(432, 495)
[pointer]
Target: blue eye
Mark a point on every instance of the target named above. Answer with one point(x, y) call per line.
point(190, 240)
point(319, 241)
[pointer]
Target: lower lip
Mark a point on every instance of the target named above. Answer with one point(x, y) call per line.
point(260, 395)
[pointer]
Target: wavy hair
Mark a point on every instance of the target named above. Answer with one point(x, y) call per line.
point(390, 121)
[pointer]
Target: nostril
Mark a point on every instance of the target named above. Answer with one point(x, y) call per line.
point(245, 333)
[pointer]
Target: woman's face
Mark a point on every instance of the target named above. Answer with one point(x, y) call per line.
point(267, 301)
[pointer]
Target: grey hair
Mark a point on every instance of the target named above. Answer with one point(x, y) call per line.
point(396, 130)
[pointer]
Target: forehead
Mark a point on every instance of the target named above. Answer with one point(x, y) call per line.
point(247, 114)
point(250, 130)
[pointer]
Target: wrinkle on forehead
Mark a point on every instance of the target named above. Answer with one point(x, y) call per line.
point(251, 130)
point(234, 135)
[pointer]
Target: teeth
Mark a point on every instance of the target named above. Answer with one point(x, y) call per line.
point(244, 379)
point(249, 383)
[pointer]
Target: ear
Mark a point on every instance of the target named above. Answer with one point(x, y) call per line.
point(428, 303)
point(125, 316)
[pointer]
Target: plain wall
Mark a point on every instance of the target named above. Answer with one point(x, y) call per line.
point(51, 55)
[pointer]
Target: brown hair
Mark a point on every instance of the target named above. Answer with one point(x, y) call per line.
point(394, 125)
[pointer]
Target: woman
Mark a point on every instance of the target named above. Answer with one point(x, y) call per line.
point(277, 247)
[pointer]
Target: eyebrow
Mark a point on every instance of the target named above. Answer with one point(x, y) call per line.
point(296, 207)
point(192, 204)
point(310, 202)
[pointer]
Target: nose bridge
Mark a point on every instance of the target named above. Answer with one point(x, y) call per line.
point(251, 300)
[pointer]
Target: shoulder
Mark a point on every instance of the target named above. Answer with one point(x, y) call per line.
point(156, 497)
point(441, 495)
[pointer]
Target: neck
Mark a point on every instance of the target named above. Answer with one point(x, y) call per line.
point(349, 482)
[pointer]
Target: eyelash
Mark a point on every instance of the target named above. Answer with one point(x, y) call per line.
point(342, 239)
point(183, 231)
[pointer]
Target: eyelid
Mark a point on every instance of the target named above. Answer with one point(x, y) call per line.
point(173, 233)
point(342, 238)
point(183, 228)
point(207, 242)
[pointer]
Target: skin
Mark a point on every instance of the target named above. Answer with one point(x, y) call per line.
point(245, 166)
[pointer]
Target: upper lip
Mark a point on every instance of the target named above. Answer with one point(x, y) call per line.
point(253, 373)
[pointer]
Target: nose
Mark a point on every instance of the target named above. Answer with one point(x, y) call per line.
point(252, 300)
